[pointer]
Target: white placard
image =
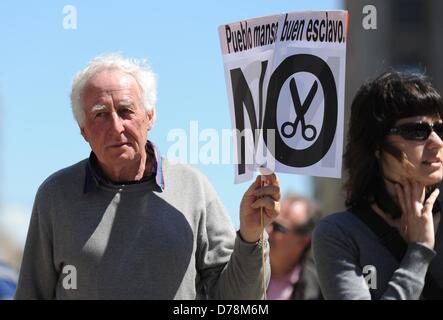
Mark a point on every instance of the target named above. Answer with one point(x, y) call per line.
point(285, 78)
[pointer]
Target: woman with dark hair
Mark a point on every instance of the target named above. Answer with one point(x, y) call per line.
point(386, 245)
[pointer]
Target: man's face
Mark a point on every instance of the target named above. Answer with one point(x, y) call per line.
point(116, 124)
point(285, 243)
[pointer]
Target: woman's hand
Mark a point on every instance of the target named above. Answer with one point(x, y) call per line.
point(416, 223)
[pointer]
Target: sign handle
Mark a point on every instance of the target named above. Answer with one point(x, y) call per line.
point(262, 242)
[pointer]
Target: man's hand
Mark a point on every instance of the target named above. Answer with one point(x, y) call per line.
point(255, 198)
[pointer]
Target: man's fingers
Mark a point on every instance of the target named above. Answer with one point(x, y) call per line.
point(272, 191)
point(266, 203)
point(272, 214)
point(271, 179)
point(255, 185)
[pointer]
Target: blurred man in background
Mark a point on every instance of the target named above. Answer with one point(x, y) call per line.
point(293, 274)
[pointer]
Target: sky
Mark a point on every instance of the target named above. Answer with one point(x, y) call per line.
point(38, 134)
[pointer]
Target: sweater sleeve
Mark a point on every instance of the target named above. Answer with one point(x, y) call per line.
point(229, 268)
point(340, 274)
point(38, 276)
point(408, 280)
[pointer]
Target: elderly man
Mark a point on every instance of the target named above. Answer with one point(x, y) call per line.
point(293, 275)
point(127, 224)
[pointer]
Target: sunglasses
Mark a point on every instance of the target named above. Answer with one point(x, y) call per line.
point(277, 227)
point(418, 131)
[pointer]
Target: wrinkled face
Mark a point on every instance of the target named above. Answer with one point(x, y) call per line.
point(116, 123)
point(285, 245)
point(425, 156)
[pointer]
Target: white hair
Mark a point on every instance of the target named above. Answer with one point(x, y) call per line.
point(139, 69)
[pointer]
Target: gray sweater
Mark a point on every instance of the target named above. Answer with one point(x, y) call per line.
point(135, 241)
point(346, 250)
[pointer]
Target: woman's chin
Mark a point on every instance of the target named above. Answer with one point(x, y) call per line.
point(432, 179)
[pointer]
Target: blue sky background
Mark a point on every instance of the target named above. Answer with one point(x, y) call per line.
point(38, 134)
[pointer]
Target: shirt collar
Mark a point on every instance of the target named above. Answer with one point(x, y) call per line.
point(294, 275)
point(93, 175)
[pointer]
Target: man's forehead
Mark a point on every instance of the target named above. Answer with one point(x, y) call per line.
point(294, 211)
point(110, 81)
point(113, 83)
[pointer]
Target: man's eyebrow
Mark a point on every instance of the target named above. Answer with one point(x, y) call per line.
point(99, 107)
point(125, 103)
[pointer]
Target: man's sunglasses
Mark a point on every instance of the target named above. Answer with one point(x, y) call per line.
point(277, 227)
point(418, 131)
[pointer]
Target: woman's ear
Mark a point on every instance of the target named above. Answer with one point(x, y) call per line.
point(377, 154)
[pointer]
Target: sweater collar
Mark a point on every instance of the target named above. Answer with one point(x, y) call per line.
point(94, 175)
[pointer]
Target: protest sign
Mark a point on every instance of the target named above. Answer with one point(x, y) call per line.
point(285, 78)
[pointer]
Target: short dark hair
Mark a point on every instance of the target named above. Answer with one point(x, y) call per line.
point(377, 106)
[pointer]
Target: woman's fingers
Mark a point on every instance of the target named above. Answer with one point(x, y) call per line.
point(402, 223)
point(417, 198)
point(408, 196)
point(429, 203)
point(416, 223)
point(401, 198)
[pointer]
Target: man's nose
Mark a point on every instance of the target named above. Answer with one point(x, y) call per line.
point(117, 123)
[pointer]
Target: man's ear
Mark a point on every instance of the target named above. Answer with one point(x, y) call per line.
point(150, 118)
point(304, 240)
point(85, 136)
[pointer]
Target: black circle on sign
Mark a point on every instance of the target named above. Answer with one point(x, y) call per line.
point(319, 68)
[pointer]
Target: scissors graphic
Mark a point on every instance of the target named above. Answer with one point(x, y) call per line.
point(300, 111)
